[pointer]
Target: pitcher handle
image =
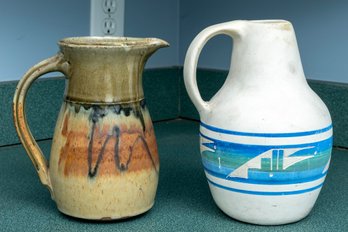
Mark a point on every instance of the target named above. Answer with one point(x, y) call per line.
point(232, 29)
point(55, 63)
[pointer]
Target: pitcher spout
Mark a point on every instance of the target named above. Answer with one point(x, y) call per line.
point(158, 43)
point(153, 44)
point(107, 69)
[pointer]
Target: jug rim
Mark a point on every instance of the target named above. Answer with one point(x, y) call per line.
point(111, 42)
point(269, 21)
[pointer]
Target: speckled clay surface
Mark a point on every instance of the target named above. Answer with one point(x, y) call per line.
point(104, 163)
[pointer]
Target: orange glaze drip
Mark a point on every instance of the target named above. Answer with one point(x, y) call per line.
point(132, 151)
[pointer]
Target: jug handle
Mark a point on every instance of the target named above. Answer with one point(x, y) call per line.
point(232, 29)
point(55, 63)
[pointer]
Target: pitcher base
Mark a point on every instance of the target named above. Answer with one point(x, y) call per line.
point(116, 216)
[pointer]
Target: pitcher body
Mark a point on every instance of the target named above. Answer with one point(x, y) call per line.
point(265, 137)
point(104, 160)
point(104, 163)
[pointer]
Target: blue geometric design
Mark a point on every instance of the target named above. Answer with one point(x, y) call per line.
point(266, 193)
point(266, 164)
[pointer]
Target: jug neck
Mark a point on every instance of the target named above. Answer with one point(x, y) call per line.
point(106, 70)
point(266, 50)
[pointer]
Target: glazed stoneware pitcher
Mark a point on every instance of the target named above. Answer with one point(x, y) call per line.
point(104, 163)
point(265, 137)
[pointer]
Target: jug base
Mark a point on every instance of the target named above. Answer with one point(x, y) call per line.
point(264, 210)
point(115, 217)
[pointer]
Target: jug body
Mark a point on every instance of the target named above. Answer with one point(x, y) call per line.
point(265, 137)
point(104, 163)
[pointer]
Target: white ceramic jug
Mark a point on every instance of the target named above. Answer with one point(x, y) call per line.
point(265, 137)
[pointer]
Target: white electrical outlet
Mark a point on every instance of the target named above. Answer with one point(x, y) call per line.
point(109, 6)
point(107, 17)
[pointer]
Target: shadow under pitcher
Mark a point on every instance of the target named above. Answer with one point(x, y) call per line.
point(104, 163)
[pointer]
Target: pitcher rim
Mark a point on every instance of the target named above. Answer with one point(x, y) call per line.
point(111, 42)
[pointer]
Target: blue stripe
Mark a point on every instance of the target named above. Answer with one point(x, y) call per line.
point(295, 134)
point(327, 143)
point(265, 193)
point(249, 181)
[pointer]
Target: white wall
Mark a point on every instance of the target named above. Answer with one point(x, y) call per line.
point(320, 25)
point(30, 31)
point(155, 18)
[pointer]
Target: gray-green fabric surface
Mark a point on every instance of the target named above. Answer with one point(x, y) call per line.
point(161, 88)
point(183, 201)
point(166, 98)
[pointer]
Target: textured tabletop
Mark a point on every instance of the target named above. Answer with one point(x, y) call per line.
point(183, 201)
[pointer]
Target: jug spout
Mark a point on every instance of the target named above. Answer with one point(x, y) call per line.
point(267, 49)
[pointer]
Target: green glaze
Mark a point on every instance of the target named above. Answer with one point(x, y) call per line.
point(106, 70)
